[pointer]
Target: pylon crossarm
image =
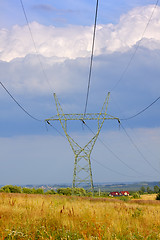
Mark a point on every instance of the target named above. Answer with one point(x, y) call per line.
point(76, 116)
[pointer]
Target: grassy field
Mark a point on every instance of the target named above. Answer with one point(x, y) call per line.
point(148, 197)
point(25, 216)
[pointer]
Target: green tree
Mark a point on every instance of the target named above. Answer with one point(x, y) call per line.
point(50, 192)
point(79, 191)
point(64, 191)
point(71, 191)
point(158, 195)
point(12, 189)
point(27, 190)
point(149, 190)
point(136, 195)
point(142, 190)
point(156, 189)
point(39, 191)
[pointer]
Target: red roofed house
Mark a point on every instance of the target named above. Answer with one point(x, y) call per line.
point(124, 193)
point(114, 194)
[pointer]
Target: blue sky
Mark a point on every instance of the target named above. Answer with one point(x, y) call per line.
point(32, 153)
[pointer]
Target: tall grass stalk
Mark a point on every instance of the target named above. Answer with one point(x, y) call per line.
point(25, 216)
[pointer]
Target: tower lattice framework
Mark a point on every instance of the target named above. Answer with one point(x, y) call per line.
point(82, 174)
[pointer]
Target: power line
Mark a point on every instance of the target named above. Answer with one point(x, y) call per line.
point(110, 169)
point(19, 105)
point(136, 48)
point(143, 110)
point(36, 50)
point(114, 153)
point(91, 60)
point(26, 112)
point(55, 128)
point(139, 150)
point(140, 113)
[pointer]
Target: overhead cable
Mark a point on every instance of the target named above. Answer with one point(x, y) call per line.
point(102, 165)
point(36, 50)
point(110, 169)
point(141, 154)
point(119, 159)
point(55, 128)
point(25, 111)
point(19, 105)
point(91, 60)
point(143, 110)
point(136, 48)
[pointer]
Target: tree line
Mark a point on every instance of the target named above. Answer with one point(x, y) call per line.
point(62, 191)
point(73, 191)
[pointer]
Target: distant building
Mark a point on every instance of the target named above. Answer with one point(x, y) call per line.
point(114, 194)
point(124, 193)
point(118, 194)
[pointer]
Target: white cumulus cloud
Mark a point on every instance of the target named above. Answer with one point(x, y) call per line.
point(75, 41)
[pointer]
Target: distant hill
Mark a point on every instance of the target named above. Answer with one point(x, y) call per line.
point(125, 186)
point(107, 187)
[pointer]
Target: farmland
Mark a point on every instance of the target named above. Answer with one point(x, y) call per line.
point(25, 216)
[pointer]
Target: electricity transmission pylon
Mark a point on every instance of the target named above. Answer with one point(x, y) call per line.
point(82, 173)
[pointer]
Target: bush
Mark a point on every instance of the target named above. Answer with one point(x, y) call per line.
point(38, 191)
point(11, 189)
point(156, 189)
point(124, 198)
point(50, 192)
point(158, 196)
point(136, 195)
point(64, 191)
point(27, 190)
point(79, 191)
point(71, 191)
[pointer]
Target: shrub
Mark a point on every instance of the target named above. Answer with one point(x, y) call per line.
point(39, 191)
point(158, 196)
point(11, 189)
point(79, 191)
point(27, 190)
point(136, 195)
point(64, 191)
point(50, 192)
point(156, 189)
point(71, 191)
point(124, 198)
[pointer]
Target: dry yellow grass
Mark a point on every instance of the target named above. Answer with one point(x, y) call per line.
point(148, 197)
point(58, 217)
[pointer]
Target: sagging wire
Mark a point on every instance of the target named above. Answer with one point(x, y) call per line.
point(19, 105)
point(143, 110)
point(119, 159)
point(138, 150)
point(91, 60)
point(136, 48)
point(34, 44)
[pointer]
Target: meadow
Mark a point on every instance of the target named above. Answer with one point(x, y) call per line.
point(26, 216)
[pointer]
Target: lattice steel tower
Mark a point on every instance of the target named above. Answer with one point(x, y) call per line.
point(82, 173)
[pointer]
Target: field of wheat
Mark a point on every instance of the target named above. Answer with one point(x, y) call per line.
point(25, 216)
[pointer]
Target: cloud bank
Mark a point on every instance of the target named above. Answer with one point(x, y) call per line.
point(75, 41)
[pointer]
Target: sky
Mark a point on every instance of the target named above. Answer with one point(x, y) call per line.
point(51, 54)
